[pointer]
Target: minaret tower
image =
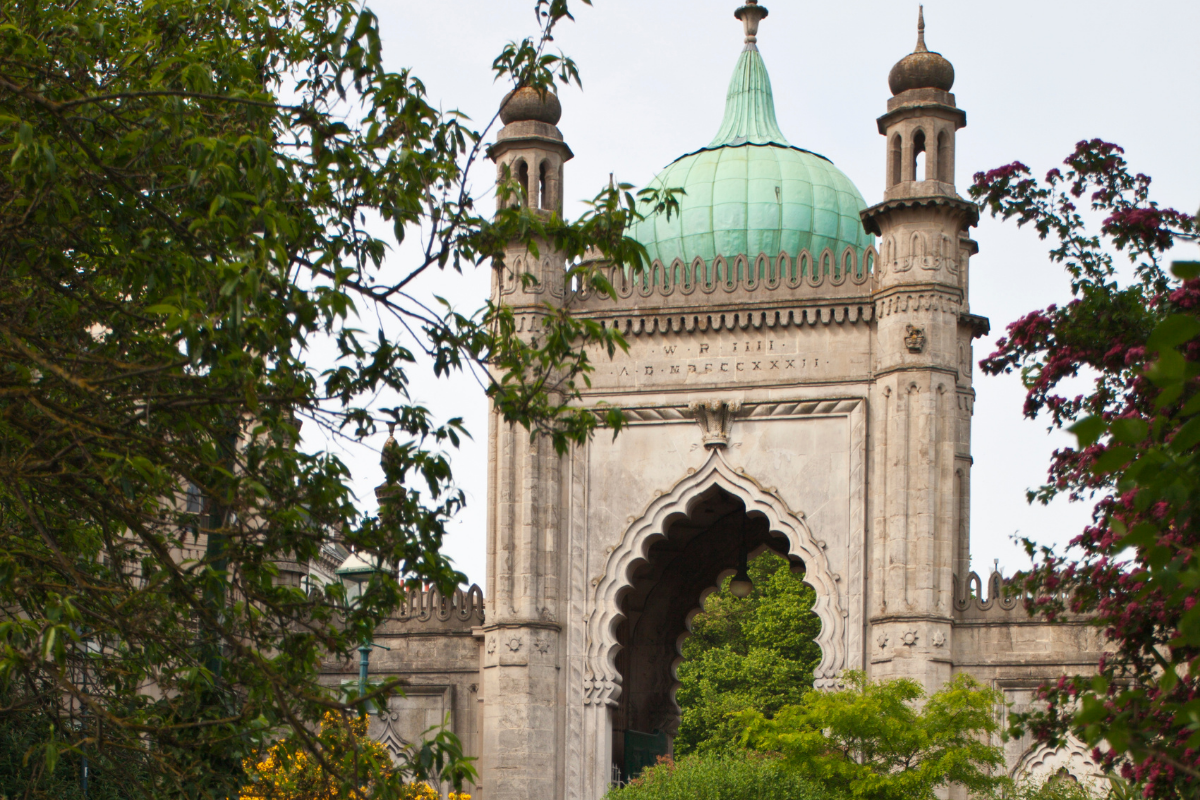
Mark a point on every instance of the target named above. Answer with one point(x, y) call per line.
point(530, 151)
point(923, 397)
point(522, 656)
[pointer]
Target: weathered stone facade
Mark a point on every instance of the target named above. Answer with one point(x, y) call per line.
point(814, 403)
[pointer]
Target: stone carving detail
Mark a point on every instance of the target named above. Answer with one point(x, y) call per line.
point(914, 338)
point(803, 274)
point(787, 409)
point(1003, 595)
point(514, 644)
point(939, 639)
point(651, 323)
point(1043, 761)
point(390, 737)
point(714, 417)
point(907, 303)
point(910, 638)
point(428, 605)
point(883, 641)
point(491, 645)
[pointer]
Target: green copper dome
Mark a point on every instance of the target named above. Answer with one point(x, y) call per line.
point(750, 191)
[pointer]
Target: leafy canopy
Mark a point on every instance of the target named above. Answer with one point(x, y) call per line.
point(186, 189)
point(886, 740)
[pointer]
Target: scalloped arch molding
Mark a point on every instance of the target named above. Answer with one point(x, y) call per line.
point(602, 684)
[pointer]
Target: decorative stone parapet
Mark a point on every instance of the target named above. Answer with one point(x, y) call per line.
point(430, 609)
point(1005, 600)
point(762, 278)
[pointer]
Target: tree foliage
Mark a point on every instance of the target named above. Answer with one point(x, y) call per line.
point(1137, 571)
point(185, 196)
point(717, 776)
point(886, 740)
point(111, 776)
point(754, 653)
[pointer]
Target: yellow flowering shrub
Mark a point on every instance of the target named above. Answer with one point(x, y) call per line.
point(423, 791)
point(286, 772)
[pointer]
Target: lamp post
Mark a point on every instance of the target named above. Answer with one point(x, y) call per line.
point(354, 573)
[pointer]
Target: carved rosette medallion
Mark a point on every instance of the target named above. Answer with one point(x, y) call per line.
point(715, 418)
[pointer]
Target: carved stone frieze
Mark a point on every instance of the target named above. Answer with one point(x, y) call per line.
point(688, 321)
point(774, 410)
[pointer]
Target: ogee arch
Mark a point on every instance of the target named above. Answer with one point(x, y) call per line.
point(602, 679)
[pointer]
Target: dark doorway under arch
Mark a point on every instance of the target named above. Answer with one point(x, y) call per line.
point(667, 590)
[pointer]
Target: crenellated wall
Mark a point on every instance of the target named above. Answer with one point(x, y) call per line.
point(433, 644)
point(999, 643)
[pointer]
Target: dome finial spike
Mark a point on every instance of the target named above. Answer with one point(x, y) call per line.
point(921, 30)
point(750, 15)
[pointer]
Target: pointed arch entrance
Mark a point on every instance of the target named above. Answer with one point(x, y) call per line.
point(655, 581)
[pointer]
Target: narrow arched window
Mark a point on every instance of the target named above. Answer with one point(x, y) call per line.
point(918, 172)
point(544, 187)
point(945, 159)
point(895, 159)
point(523, 179)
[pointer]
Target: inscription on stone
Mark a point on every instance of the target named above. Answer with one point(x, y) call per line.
point(732, 359)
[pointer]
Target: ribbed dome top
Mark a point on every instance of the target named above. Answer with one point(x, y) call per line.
point(749, 106)
point(750, 191)
point(755, 199)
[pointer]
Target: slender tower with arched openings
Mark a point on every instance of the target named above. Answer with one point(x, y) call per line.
point(922, 411)
point(521, 655)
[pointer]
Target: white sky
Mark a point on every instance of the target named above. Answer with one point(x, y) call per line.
point(1033, 77)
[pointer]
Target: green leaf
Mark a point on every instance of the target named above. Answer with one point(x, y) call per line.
point(1172, 332)
point(1129, 430)
point(1187, 437)
point(1112, 459)
point(1143, 534)
point(1169, 367)
point(1187, 270)
point(1088, 430)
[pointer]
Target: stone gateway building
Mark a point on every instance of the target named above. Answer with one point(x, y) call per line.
point(799, 379)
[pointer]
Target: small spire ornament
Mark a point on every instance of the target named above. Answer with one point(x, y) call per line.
point(750, 15)
point(921, 48)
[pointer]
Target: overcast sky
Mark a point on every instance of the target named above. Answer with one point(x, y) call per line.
point(1033, 77)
